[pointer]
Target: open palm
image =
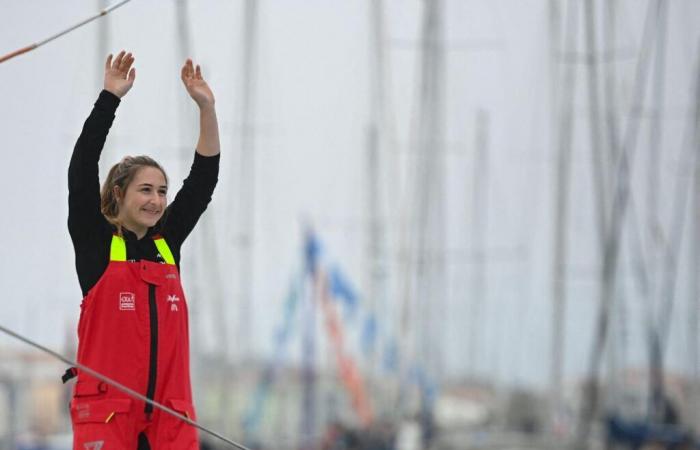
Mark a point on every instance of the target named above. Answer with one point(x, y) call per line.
point(119, 75)
point(196, 86)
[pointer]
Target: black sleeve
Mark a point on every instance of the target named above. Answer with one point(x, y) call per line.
point(84, 216)
point(191, 201)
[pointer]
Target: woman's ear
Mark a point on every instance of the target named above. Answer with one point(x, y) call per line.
point(117, 194)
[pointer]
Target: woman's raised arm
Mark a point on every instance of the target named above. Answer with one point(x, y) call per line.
point(197, 87)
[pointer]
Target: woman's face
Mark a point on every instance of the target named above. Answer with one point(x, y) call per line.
point(144, 201)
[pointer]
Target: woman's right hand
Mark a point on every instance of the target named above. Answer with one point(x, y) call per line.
point(119, 75)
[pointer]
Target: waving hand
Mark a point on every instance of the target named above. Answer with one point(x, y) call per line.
point(196, 86)
point(119, 75)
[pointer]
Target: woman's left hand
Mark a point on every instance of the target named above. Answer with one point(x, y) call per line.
point(196, 86)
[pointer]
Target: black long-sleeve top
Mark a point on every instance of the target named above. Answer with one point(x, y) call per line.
point(90, 231)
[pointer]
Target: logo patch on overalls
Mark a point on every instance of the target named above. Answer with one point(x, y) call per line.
point(97, 445)
point(173, 299)
point(127, 301)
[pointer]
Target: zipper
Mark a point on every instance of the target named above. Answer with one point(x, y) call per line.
point(153, 363)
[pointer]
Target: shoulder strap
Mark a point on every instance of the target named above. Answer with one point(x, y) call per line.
point(117, 251)
point(164, 250)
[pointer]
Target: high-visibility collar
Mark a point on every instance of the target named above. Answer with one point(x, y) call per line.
point(117, 251)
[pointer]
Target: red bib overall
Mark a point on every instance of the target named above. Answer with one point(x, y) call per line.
point(133, 328)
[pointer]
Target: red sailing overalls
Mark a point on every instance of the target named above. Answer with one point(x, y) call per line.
point(133, 328)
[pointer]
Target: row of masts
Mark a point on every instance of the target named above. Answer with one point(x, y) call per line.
point(613, 148)
point(420, 215)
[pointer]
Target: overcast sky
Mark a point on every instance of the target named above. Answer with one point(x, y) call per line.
point(310, 115)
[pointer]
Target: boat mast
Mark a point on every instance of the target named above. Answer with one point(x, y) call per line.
point(563, 75)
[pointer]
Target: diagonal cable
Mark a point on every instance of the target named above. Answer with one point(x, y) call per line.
point(121, 387)
point(31, 47)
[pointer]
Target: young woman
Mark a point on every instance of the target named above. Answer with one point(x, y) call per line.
point(133, 323)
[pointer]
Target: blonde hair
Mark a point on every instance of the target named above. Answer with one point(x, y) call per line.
point(121, 175)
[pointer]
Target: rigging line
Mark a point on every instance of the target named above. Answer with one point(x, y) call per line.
point(31, 47)
point(120, 386)
point(677, 224)
point(611, 238)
